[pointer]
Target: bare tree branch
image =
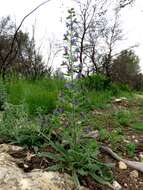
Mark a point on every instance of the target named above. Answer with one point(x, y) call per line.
point(16, 32)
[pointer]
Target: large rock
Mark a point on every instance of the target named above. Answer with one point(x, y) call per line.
point(13, 178)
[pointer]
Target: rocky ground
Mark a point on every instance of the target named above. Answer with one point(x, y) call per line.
point(17, 173)
point(14, 178)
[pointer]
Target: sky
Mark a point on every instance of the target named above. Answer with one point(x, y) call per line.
point(49, 22)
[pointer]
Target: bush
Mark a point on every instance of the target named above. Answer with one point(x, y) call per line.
point(96, 82)
point(118, 88)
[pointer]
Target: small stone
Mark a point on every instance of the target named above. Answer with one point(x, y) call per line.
point(141, 156)
point(83, 188)
point(116, 185)
point(134, 174)
point(125, 185)
point(126, 141)
point(136, 141)
point(136, 158)
point(133, 137)
point(26, 166)
point(122, 165)
point(119, 100)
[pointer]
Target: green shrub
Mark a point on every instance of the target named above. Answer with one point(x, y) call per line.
point(96, 82)
point(117, 89)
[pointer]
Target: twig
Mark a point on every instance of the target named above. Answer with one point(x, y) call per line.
point(133, 164)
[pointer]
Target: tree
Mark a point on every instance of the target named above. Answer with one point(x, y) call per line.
point(124, 3)
point(25, 59)
point(90, 12)
point(95, 31)
point(125, 68)
point(8, 57)
point(111, 34)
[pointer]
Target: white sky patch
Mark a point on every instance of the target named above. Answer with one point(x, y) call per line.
point(49, 21)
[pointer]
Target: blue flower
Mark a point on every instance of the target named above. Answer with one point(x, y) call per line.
point(73, 41)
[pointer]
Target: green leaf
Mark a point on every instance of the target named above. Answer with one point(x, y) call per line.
point(82, 172)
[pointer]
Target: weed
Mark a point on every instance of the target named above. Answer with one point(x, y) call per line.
point(115, 137)
point(123, 117)
point(103, 134)
point(131, 148)
point(138, 127)
point(16, 127)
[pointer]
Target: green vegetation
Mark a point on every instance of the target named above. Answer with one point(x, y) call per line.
point(39, 95)
point(16, 128)
point(123, 117)
point(138, 127)
point(69, 117)
point(131, 148)
point(32, 118)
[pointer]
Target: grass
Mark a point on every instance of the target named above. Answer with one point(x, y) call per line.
point(123, 117)
point(98, 99)
point(131, 148)
point(138, 126)
point(37, 95)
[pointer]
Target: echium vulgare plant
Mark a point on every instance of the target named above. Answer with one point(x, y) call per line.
point(73, 152)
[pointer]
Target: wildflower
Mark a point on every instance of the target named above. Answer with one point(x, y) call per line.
point(73, 41)
point(66, 50)
point(79, 75)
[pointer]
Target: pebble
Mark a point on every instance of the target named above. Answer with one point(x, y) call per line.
point(133, 137)
point(116, 185)
point(136, 141)
point(136, 158)
point(141, 156)
point(134, 174)
point(126, 141)
point(122, 165)
point(26, 166)
point(125, 185)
